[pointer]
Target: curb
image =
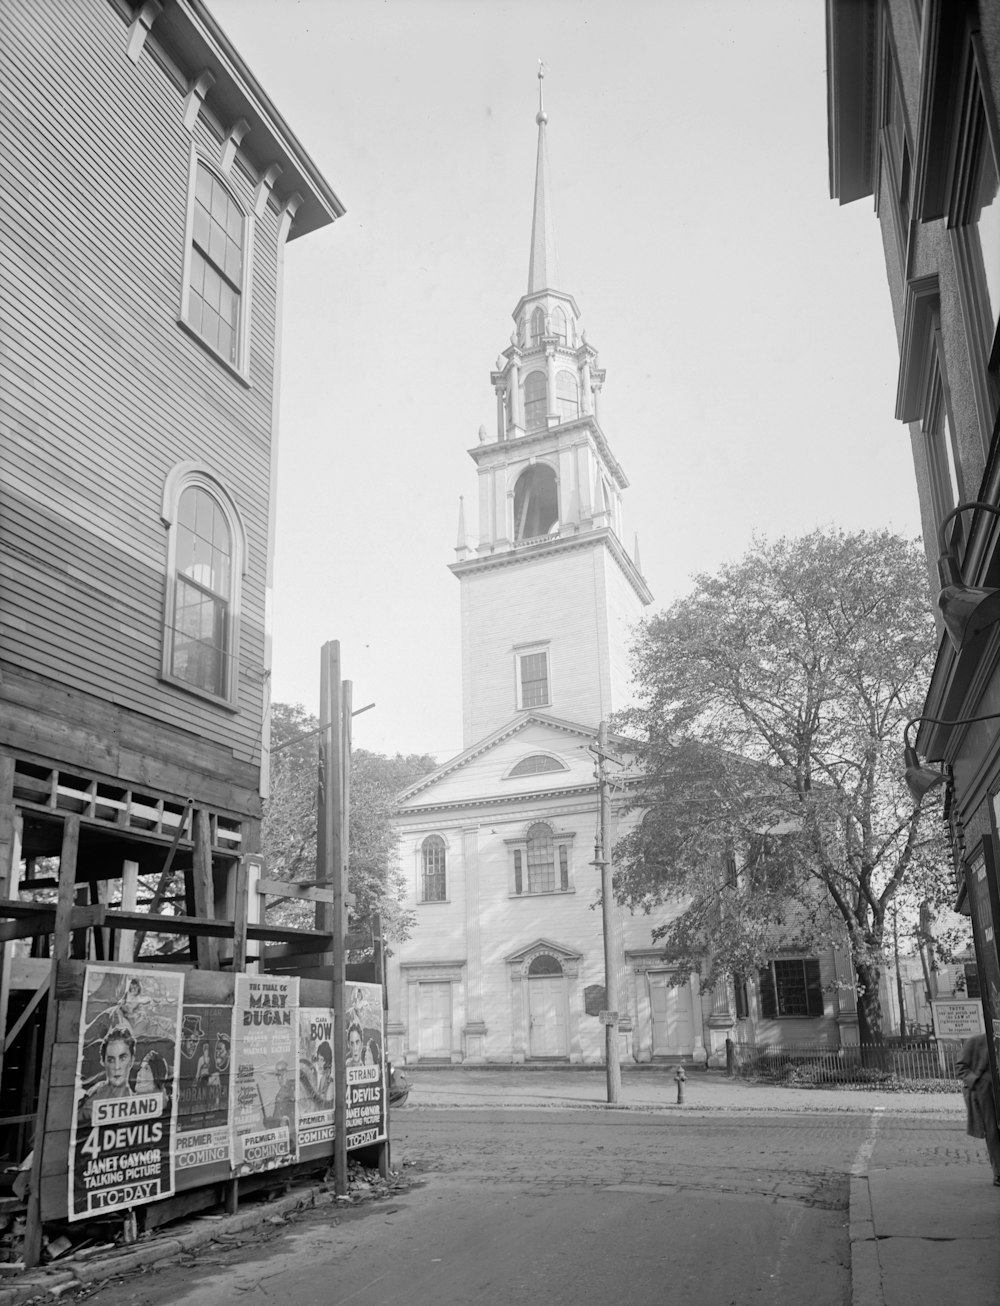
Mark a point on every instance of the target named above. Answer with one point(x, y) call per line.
point(63, 1276)
point(866, 1269)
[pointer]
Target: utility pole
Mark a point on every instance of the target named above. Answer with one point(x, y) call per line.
point(603, 860)
point(331, 870)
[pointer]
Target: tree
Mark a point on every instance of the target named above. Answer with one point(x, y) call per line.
point(289, 825)
point(768, 732)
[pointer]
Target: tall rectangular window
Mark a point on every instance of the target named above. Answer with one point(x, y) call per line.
point(216, 262)
point(203, 585)
point(533, 679)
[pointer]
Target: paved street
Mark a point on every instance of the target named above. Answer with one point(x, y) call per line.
point(581, 1205)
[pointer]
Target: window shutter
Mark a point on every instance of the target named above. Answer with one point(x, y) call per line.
point(768, 999)
point(814, 988)
point(563, 868)
point(517, 870)
point(740, 992)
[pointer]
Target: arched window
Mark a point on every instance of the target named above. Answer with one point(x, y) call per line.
point(559, 324)
point(541, 859)
point(536, 764)
point(536, 502)
point(567, 396)
point(544, 964)
point(535, 401)
point(214, 284)
point(205, 553)
point(434, 887)
point(537, 326)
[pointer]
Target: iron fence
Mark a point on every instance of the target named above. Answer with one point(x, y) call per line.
point(894, 1064)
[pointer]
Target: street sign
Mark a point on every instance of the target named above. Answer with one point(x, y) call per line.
point(608, 1017)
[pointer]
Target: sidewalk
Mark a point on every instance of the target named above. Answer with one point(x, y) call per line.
point(919, 1235)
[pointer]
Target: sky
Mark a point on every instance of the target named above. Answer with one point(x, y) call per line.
point(742, 316)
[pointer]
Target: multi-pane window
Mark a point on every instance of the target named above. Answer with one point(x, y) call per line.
point(896, 152)
point(567, 396)
point(215, 284)
point(542, 864)
point(791, 987)
point(534, 677)
point(558, 319)
point(202, 593)
point(535, 402)
point(536, 764)
point(537, 326)
point(984, 219)
point(434, 883)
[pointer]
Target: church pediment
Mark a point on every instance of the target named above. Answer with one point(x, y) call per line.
point(524, 956)
point(508, 764)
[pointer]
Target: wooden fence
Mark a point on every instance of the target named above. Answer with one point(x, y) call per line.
point(886, 1064)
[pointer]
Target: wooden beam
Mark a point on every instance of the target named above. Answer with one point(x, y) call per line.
point(241, 921)
point(41, 992)
point(32, 1249)
point(286, 889)
point(124, 945)
point(204, 890)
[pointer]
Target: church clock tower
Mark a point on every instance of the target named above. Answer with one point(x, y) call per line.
point(550, 595)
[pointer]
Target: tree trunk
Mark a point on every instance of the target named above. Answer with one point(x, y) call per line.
point(870, 1016)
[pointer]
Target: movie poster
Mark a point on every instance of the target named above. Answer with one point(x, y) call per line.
point(203, 1110)
point(125, 1099)
point(317, 1089)
point(262, 1085)
point(366, 1087)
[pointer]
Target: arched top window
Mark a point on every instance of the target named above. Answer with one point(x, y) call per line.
point(434, 879)
point(536, 502)
point(536, 764)
point(216, 264)
point(545, 964)
point(567, 396)
point(537, 326)
point(558, 320)
point(535, 402)
point(205, 559)
point(541, 859)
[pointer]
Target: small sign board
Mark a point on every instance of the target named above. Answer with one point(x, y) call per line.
point(958, 1018)
point(608, 1017)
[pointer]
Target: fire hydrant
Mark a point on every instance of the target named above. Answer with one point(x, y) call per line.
point(680, 1077)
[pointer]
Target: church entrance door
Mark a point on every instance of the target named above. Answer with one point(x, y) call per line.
point(673, 1017)
point(547, 1016)
point(434, 1021)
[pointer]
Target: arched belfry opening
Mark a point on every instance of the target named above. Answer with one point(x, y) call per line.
point(536, 502)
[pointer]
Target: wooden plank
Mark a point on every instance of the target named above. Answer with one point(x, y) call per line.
point(241, 910)
point(60, 950)
point(28, 972)
point(65, 1057)
point(125, 939)
point(285, 889)
point(204, 890)
point(41, 992)
point(9, 877)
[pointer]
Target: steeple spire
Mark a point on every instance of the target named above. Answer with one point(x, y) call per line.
point(542, 270)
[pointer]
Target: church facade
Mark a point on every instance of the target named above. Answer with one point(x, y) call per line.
point(506, 960)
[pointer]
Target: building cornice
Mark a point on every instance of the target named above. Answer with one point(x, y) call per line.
point(548, 546)
point(526, 445)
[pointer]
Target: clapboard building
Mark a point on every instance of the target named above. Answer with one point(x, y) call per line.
point(149, 187)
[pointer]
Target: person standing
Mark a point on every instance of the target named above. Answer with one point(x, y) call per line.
point(973, 1066)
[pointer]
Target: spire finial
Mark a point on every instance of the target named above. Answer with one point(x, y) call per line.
point(542, 264)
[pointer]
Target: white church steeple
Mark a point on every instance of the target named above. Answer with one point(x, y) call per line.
point(550, 533)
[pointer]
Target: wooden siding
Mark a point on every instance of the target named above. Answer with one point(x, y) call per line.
point(101, 391)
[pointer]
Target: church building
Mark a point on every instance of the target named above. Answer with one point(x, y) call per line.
point(506, 960)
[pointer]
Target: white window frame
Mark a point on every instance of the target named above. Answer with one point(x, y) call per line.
point(185, 476)
point(518, 849)
point(241, 367)
point(421, 879)
point(528, 650)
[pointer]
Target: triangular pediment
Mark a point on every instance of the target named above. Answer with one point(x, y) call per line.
point(543, 945)
point(493, 770)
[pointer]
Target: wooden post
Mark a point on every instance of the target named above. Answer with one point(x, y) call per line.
point(10, 882)
point(614, 1070)
point(207, 949)
point(125, 939)
point(60, 952)
point(330, 862)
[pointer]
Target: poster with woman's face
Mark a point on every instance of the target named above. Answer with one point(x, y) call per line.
point(124, 1120)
